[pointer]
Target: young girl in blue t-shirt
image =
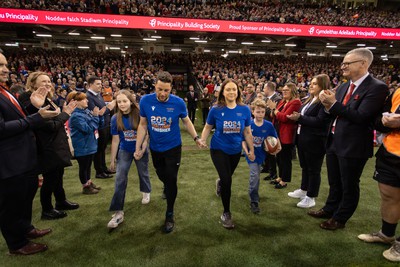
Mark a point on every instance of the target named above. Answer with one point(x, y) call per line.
point(123, 129)
point(232, 124)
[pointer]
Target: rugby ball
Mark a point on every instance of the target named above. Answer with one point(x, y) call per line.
point(271, 144)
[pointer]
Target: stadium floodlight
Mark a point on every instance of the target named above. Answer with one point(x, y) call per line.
point(331, 46)
point(231, 40)
point(98, 37)
point(74, 33)
point(260, 52)
point(200, 41)
point(335, 55)
point(176, 49)
point(207, 50)
point(116, 35)
point(265, 41)
point(83, 47)
point(43, 35)
point(361, 44)
point(16, 44)
point(156, 36)
point(233, 52)
point(194, 38)
point(149, 39)
point(247, 43)
point(371, 47)
point(291, 45)
point(114, 48)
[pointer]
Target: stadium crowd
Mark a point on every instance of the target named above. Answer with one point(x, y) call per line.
point(293, 12)
point(136, 72)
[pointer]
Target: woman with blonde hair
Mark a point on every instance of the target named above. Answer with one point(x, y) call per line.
point(123, 130)
point(53, 150)
point(311, 137)
point(286, 129)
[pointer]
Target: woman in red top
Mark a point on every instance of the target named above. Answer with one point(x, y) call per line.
point(286, 129)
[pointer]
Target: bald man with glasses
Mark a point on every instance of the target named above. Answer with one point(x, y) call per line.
point(350, 142)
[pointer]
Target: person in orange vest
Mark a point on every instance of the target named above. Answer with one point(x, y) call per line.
point(107, 92)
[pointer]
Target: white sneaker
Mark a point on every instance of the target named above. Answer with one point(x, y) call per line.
point(393, 253)
point(306, 202)
point(146, 198)
point(116, 219)
point(297, 194)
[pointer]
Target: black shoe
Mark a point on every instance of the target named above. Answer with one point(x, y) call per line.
point(53, 214)
point(270, 177)
point(264, 170)
point(108, 171)
point(254, 207)
point(280, 186)
point(103, 176)
point(169, 224)
point(67, 205)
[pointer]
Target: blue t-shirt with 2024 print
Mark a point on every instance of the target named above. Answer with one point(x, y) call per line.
point(163, 121)
point(127, 137)
point(260, 133)
point(229, 126)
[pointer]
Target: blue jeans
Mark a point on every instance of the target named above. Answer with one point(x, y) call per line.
point(254, 181)
point(121, 180)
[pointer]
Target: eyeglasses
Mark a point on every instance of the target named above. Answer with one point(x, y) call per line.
point(346, 64)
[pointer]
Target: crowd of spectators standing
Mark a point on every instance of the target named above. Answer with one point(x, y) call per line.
point(296, 12)
point(136, 72)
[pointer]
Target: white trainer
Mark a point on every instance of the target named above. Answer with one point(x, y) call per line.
point(377, 237)
point(116, 219)
point(306, 202)
point(393, 253)
point(146, 198)
point(298, 194)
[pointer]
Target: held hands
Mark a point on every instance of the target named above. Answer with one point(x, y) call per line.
point(294, 116)
point(46, 113)
point(138, 154)
point(39, 96)
point(201, 143)
point(327, 98)
point(112, 165)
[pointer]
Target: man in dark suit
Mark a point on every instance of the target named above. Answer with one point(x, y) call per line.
point(95, 99)
point(18, 175)
point(270, 161)
point(192, 98)
point(350, 141)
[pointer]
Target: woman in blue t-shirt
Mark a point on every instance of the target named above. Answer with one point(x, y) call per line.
point(123, 130)
point(232, 124)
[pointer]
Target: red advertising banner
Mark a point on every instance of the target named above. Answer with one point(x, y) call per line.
point(181, 24)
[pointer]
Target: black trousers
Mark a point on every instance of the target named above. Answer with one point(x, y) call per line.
point(52, 184)
point(99, 159)
point(344, 185)
point(167, 165)
point(16, 197)
point(226, 165)
point(205, 112)
point(85, 164)
point(270, 164)
point(192, 113)
point(284, 159)
point(311, 164)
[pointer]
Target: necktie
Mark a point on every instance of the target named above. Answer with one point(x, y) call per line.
point(12, 100)
point(349, 93)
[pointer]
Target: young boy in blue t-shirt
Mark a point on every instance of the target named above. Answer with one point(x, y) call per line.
point(261, 129)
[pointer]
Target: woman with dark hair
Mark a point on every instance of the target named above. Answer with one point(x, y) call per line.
point(286, 130)
point(53, 149)
point(83, 125)
point(123, 129)
point(311, 137)
point(231, 119)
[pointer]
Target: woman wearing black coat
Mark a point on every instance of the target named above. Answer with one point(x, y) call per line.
point(313, 122)
point(53, 151)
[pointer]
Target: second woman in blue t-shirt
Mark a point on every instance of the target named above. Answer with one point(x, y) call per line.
point(232, 125)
